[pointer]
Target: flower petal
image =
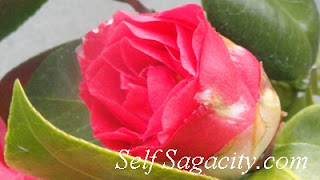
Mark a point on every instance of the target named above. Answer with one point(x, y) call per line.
point(247, 64)
point(214, 57)
point(137, 102)
point(178, 108)
point(160, 83)
point(187, 57)
point(3, 131)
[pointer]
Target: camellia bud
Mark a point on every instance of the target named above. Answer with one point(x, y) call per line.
point(168, 80)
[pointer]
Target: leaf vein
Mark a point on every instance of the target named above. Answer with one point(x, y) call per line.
point(52, 154)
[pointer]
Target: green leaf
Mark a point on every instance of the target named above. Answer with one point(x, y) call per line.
point(318, 71)
point(299, 138)
point(301, 103)
point(23, 72)
point(284, 34)
point(286, 93)
point(314, 80)
point(14, 12)
point(318, 58)
point(307, 98)
point(54, 88)
point(36, 147)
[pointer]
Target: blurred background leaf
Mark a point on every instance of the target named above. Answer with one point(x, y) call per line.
point(286, 92)
point(23, 72)
point(283, 34)
point(14, 12)
point(318, 69)
point(304, 99)
point(54, 89)
point(302, 102)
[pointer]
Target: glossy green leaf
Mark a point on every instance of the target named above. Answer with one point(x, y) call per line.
point(54, 88)
point(23, 72)
point(284, 34)
point(14, 12)
point(299, 138)
point(36, 147)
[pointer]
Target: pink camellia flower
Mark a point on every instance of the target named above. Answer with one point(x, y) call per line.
point(5, 171)
point(168, 80)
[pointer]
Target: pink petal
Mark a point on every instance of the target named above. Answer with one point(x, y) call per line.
point(159, 52)
point(121, 138)
point(208, 133)
point(120, 16)
point(112, 54)
point(93, 44)
point(187, 58)
point(109, 129)
point(160, 83)
point(9, 174)
point(179, 15)
point(3, 131)
point(102, 120)
point(217, 71)
point(248, 66)
point(188, 15)
point(137, 103)
point(128, 119)
point(102, 79)
point(104, 84)
point(135, 59)
point(178, 108)
point(155, 122)
point(198, 39)
point(165, 34)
